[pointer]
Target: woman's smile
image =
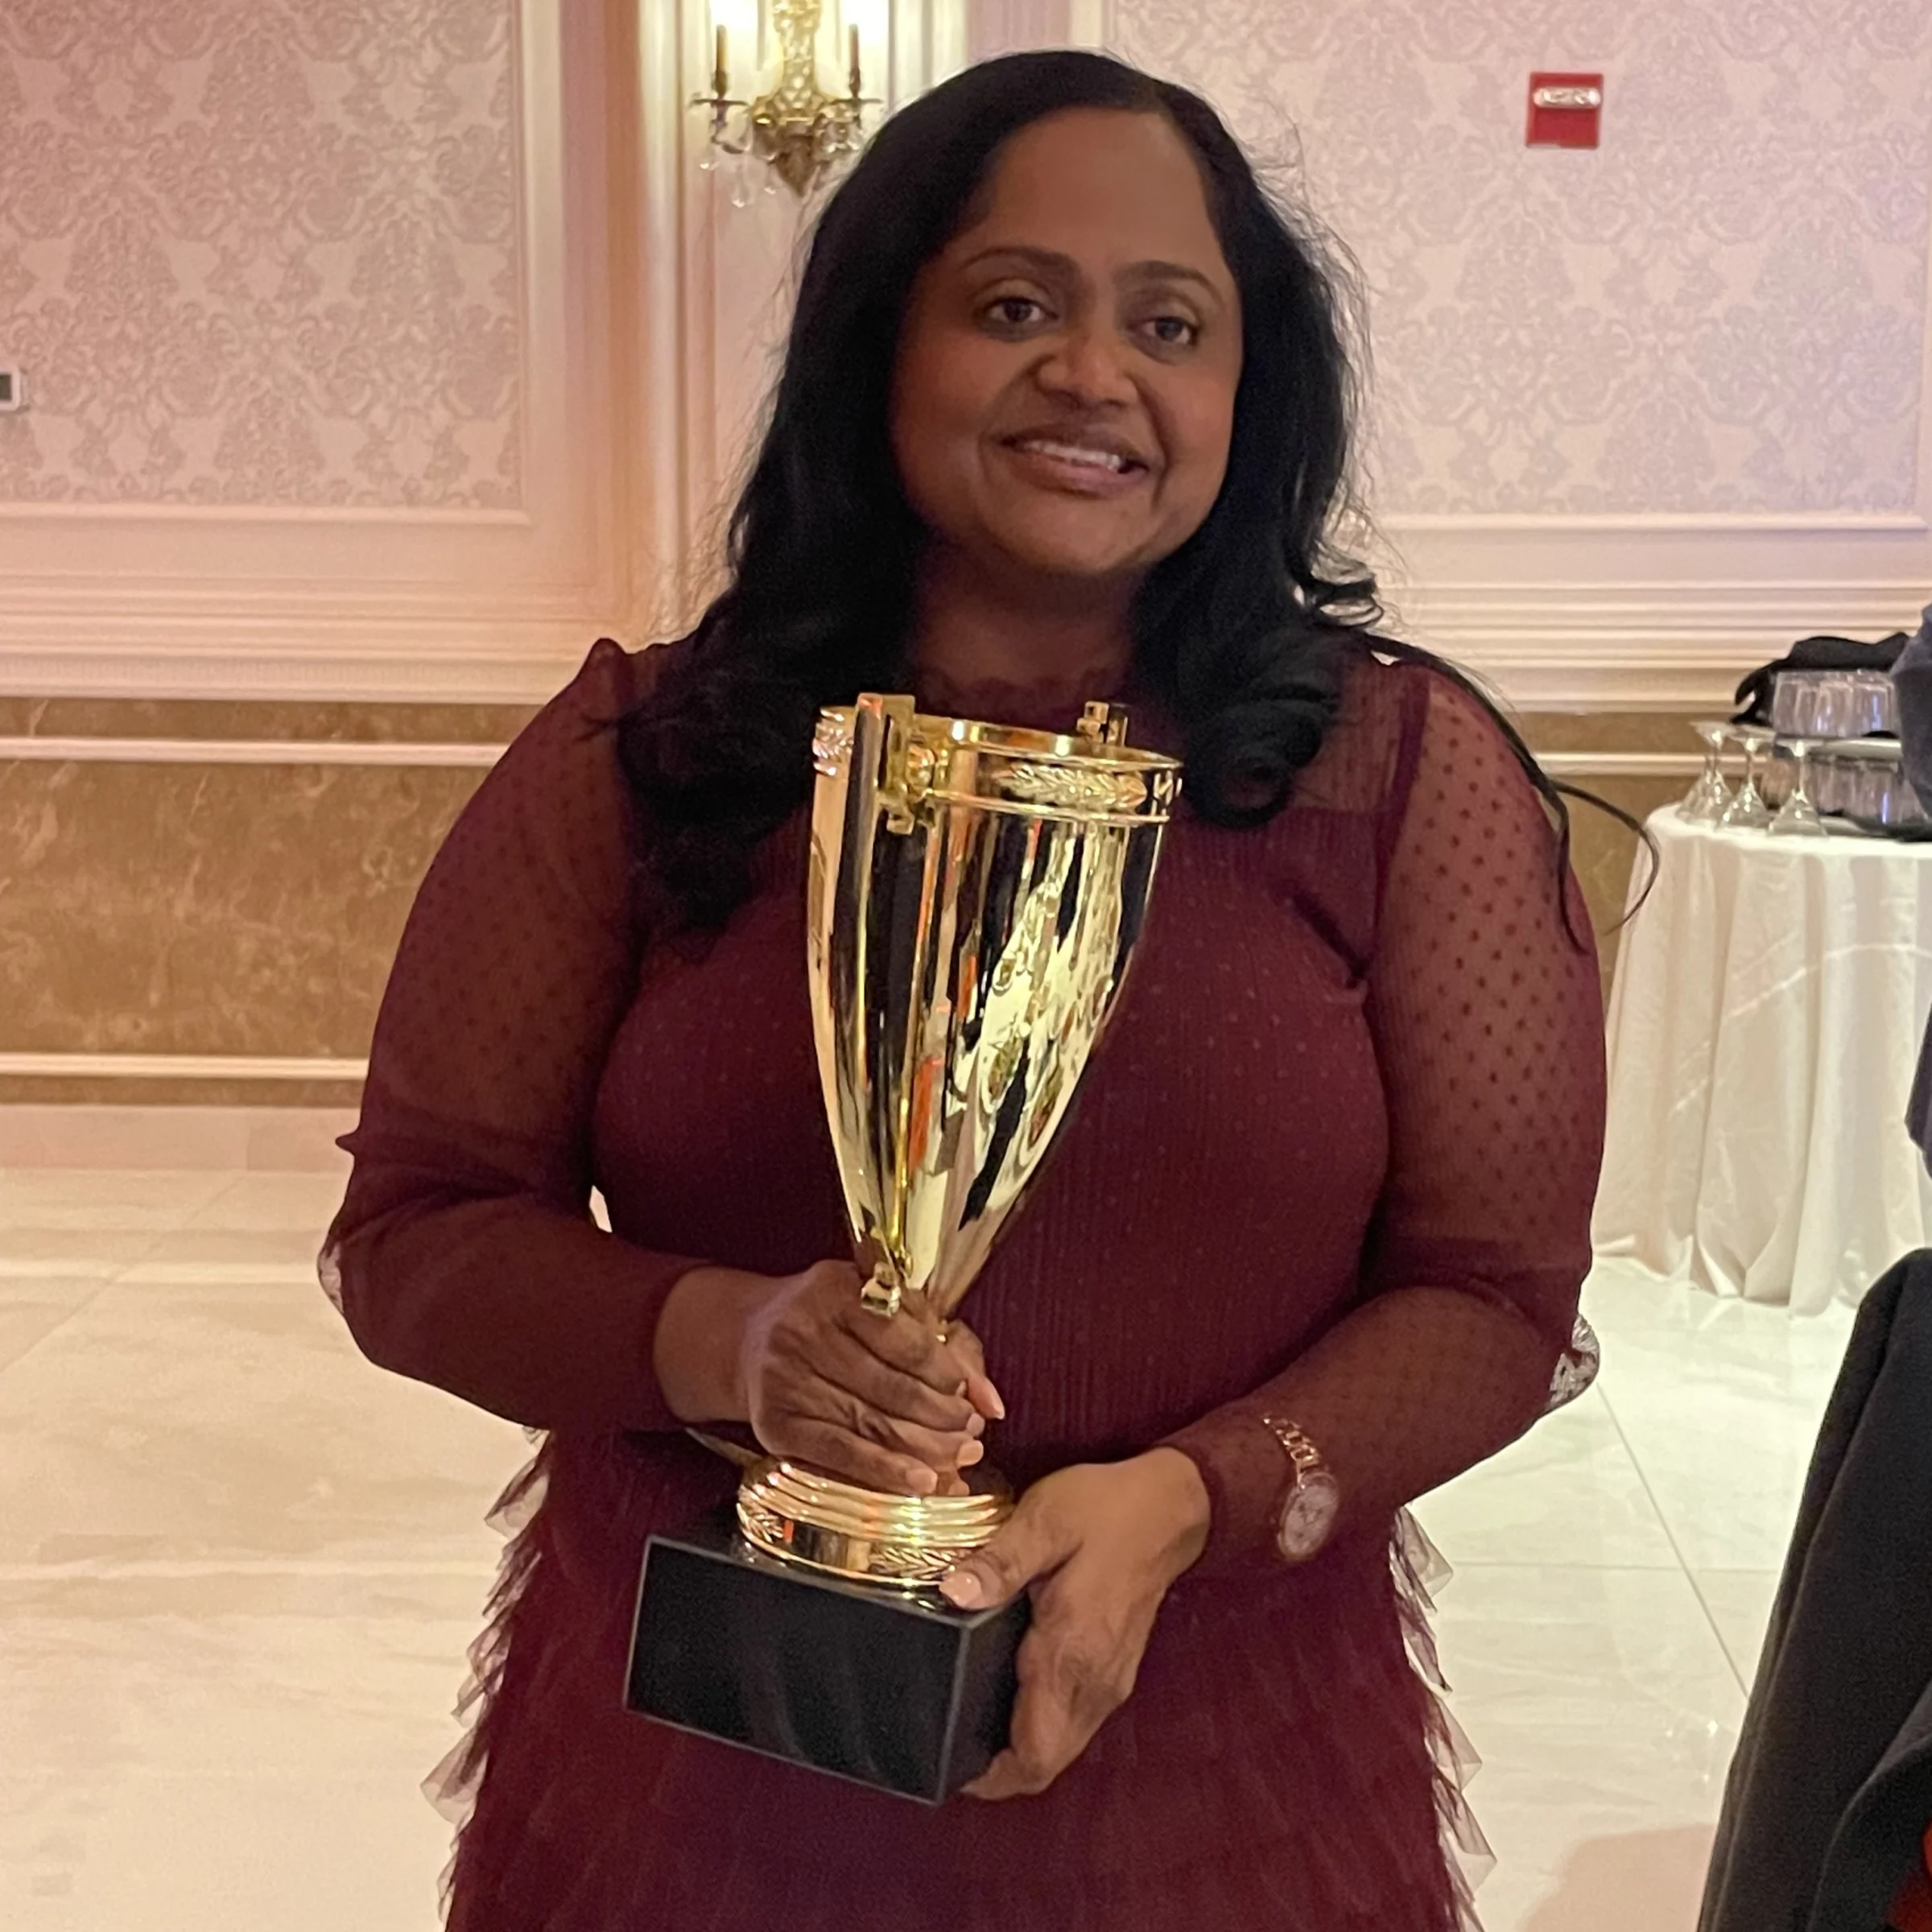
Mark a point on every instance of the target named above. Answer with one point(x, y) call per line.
point(1076, 463)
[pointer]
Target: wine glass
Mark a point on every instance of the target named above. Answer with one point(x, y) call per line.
point(1704, 804)
point(1797, 815)
point(1815, 706)
point(1748, 811)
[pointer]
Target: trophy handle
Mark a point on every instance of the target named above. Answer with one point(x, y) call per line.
point(883, 1292)
point(896, 791)
point(881, 1295)
point(1103, 724)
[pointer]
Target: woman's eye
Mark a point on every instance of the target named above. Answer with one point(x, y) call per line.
point(1014, 312)
point(1173, 332)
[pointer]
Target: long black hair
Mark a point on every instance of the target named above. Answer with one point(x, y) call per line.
point(1243, 634)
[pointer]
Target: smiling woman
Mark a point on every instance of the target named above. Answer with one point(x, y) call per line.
point(1064, 415)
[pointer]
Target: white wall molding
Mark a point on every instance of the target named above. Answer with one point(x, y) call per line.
point(192, 1135)
point(305, 752)
point(1546, 671)
point(1543, 649)
point(1621, 764)
point(386, 663)
point(273, 515)
point(1556, 626)
point(247, 639)
point(1645, 611)
point(253, 1068)
point(647, 272)
point(1661, 523)
point(1664, 644)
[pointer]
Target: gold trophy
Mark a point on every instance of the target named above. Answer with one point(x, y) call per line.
point(975, 898)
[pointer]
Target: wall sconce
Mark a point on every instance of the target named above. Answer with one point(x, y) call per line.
point(798, 129)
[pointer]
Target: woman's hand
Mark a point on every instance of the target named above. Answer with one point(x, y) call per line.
point(822, 1380)
point(1099, 1544)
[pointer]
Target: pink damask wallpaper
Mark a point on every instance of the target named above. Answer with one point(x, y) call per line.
point(1721, 309)
point(260, 252)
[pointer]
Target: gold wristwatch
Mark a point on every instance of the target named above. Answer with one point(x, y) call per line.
point(1314, 1499)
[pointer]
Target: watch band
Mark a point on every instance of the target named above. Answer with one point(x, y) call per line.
point(1301, 1451)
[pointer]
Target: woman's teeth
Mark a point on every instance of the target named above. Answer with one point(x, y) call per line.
point(1074, 452)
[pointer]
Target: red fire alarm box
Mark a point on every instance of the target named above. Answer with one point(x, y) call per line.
point(1564, 109)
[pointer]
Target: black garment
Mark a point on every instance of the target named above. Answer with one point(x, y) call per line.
point(1829, 1795)
point(1912, 678)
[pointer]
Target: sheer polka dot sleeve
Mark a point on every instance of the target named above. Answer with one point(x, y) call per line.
point(464, 1253)
point(1484, 1004)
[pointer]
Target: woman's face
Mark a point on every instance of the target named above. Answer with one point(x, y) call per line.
point(1064, 393)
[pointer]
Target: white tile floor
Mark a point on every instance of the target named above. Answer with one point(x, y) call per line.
point(239, 1570)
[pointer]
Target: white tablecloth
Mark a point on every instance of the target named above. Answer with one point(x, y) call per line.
point(1769, 1002)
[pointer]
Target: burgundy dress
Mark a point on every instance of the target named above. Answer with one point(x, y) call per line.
point(1334, 1161)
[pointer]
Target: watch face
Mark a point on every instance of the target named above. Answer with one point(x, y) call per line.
point(1308, 1516)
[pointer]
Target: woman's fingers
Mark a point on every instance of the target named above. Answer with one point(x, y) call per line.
point(799, 1418)
point(956, 1364)
point(1040, 1739)
point(939, 1450)
point(966, 1348)
point(1069, 1688)
point(845, 1437)
point(897, 1393)
point(839, 1452)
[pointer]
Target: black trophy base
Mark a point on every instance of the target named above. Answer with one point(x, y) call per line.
point(906, 1696)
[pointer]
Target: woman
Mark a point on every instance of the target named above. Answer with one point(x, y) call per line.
point(1064, 415)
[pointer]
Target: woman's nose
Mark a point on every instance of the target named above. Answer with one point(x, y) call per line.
point(1088, 365)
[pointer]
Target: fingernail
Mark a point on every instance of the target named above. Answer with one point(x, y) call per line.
point(962, 1589)
point(999, 1404)
point(975, 1424)
point(973, 1452)
point(924, 1481)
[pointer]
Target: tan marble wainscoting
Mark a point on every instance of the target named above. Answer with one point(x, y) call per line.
point(223, 929)
point(159, 906)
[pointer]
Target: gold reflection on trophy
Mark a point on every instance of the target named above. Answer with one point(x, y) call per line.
point(974, 896)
